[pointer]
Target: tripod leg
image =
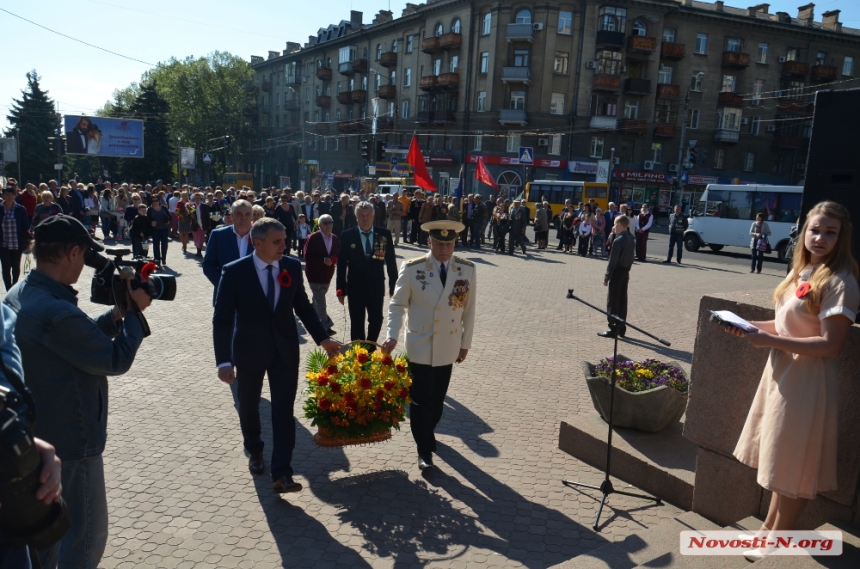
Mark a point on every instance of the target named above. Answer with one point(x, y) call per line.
point(599, 511)
point(572, 483)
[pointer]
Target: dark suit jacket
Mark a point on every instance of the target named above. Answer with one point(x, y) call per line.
point(74, 143)
point(324, 207)
point(315, 255)
point(221, 250)
point(358, 275)
point(246, 332)
point(349, 221)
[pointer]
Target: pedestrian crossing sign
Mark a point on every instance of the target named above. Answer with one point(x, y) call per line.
point(527, 155)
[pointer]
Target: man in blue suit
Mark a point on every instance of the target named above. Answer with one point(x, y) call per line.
point(255, 331)
point(228, 243)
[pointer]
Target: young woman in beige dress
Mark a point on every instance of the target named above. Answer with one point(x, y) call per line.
point(790, 432)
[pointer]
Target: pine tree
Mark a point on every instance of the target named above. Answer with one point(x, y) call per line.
point(157, 162)
point(35, 119)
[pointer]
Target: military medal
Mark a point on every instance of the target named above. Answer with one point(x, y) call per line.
point(459, 294)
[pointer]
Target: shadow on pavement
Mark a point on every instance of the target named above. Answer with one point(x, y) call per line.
point(680, 355)
point(458, 421)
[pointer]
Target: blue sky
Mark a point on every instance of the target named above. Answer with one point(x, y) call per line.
point(82, 78)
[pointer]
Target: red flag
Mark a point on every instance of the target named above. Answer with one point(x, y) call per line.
point(419, 168)
point(483, 175)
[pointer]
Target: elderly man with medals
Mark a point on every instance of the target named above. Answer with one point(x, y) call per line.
point(435, 294)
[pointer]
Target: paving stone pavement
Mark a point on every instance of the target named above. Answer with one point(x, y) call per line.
point(180, 494)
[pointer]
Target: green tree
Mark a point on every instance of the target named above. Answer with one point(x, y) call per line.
point(35, 119)
point(157, 162)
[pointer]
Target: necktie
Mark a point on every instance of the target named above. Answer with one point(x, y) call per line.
point(367, 250)
point(270, 284)
point(443, 273)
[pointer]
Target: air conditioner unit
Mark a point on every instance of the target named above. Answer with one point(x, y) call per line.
point(649, 165)
point(616, 161)
point(745, 121)
point(782, 59)
point(543, 142)
point(771, 128)
point(538, 26)
point(591, 64)
point(673, 167)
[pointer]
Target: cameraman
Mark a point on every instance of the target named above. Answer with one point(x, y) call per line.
point(67, 356)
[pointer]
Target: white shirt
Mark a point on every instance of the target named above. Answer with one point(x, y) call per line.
point(242, 242)
point(362, 239)
point(327, 240)
point(199, 211)
point(172, 204)
point(439, 265)
point(647, 226)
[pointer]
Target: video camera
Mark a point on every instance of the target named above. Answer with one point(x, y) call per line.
point(108, 286)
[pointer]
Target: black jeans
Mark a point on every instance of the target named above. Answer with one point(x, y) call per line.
point(159, 244)
point(756, 259)
point(675, 239)
point(10, 260)
point(369, 305)
point(429, 386)
point(616, 301)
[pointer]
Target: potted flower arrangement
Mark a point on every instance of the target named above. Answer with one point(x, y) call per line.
point(357, 396)
point(649, 395)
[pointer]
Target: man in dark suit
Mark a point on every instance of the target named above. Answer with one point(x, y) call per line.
point(519, 222)
point(76, 139)
point(228, 243)
point(254, 330)
point(322, 208)
point(366, 252)
point(342, 214)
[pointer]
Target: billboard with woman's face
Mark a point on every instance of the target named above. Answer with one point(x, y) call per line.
point(101, 136)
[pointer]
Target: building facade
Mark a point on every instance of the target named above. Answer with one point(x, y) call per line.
point(621, 81)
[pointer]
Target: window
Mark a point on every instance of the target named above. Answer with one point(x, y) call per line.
point(778, 164)
point(486, 24)
point(734, 44)
point(513, 142)
point(392, 78)
point(612, 19)
point(758, 89)
point(437, 66)
point(555, 144)
point(719, 159)
point(665, 111)
point(407, 77)
point(307, 94)
point(669, 35)
point(604, 105)
point(664, 75)
point(761, 55)
point(521, 58)
point(609, 62)
point(479, 141)
point(692, 119)
point(482, 102)
point(565, 22)
point(754, 126)
point(821, 58)
point(848, 66)
point(392, 110)
point(409, 43)
point(596, 147)
point(697, 81)
point(792, 54)
point(749, 162)
point(337, 114)
point(701, 44)
point(364, 83)
point(729, 82)
point(438, 30)
point(339, 87)
point(379, 49)
point(556, 106)
point(394, 47)
point(404, 109)
point(485, 61)
point(455, 26)
point(729, 119)
point(518, 100)
point(346, 54)
point(639, 29)
point(376, 82)
point(524, 16)
point(631, 109)
point(454, 64)
point(562, 59)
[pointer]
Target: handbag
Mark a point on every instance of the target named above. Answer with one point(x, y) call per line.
point(763, 244)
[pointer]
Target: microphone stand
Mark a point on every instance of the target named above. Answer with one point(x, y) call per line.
point(606, 487)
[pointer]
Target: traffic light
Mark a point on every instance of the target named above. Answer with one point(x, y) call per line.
point(227, 141)
point(365, 149)
point(692, 156)
point(380, 151)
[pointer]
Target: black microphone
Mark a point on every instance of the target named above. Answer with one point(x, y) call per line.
point(570, 293)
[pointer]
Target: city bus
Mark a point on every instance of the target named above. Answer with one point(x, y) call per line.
point(724, 214)
point(238, 179)
point(557, 191)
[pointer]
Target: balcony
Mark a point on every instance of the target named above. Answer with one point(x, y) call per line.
point(633, 86)
point(789, 142)
point(726, 135)
point(430, 45)
point(823, 73)
point(606, 38)
point(665, 130)
point(292, 105)
point(251, 111)
point(736, 59)
point(642, 44)
point(603, 122)
point(345, 98)
point(423, 117)
point(668, 91)
point(675, 51)
point(517, 75)
point(324, 73)
point(520, 32)
point(387, 92)
point(449, 81)
point(606, 83)
point(427, 83)
point(794, 69)
point(730, 100)
point(388, 59)
point(513, 116)
point(450, 41)
point(352, 67)
point(442, 117)
point(633, 126)
point(359, 96)
point(323, 101)
point(321, 127)
point(267, 86)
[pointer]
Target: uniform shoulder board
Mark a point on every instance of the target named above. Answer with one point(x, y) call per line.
point(463, 261)
point(414, 261)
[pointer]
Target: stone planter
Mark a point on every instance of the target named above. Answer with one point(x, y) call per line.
point(652, 410)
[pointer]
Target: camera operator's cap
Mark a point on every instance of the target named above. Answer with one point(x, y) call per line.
point(443, 231)
point(63, 228)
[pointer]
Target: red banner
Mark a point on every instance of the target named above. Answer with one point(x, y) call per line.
point(514, 161)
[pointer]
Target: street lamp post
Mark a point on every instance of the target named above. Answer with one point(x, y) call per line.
point(302, 120)
point(684, 137)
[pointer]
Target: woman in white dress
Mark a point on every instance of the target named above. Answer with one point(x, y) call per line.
point(94, 139)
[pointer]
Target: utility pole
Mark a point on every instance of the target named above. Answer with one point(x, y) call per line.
point(179, 160)
point(681, 157)
point(18, 145)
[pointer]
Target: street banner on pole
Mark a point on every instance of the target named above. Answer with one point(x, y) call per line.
point(100, 136)
point(187, 158)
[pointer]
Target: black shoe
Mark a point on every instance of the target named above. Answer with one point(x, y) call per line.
point(285, 485)
point(199, 253)
point(256, 464)
point(331, 332)
point(607, 334)
point(425, 462)
point(679, 261)
point(668, 261)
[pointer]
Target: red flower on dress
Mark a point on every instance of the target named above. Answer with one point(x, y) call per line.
point(388, 385)
point(387, 361)
point(365, 383)
point(324, 404)
point(332, 369)
point(285, 279)
point(147, 270)
point(334, 261)
point(335, 387)
point(339, 292)
point(362, 358)
point(803, 290)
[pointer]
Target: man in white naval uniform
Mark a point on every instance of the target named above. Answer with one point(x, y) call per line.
point(435, 293)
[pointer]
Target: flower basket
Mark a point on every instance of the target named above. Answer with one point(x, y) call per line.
point(649, 395)
point(357, 396)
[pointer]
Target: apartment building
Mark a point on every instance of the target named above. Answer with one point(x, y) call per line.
point(577, 82)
